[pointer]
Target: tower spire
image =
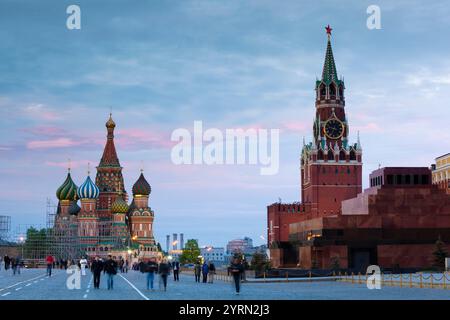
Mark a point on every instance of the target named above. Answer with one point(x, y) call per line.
point(109, 158)
point(329, 72)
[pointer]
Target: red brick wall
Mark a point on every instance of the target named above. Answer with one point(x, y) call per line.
point(406, 256)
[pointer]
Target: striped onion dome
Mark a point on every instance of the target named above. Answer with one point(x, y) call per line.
point(88, 190)
point(74, 209)
point(141, 187)
point(68, 190)
point(119, 205)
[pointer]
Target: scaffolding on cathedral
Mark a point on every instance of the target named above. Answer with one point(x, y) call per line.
point(5, 228)
point(59, 238)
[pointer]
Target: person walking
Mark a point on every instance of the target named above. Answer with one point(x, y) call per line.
point(212, 272)
point(96, 269)
point(49, 260)
point(7, 261)
point(127, 265)
point(197, 271)
point(176, 270)
point(235, 269)
point(14, 265)
point(164, 270)
point(151, 267)
point(83, 265)
point(111, 270)
point(205, 271)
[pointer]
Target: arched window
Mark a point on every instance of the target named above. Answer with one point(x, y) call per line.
point(352, 155)
point(320, 155)
point(322, 91)
point(341, 92)
point(342, 155)
point(332, 91)
point(330, 155)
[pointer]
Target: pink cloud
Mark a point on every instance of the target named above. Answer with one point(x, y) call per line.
point(45, 130)
point(49, 144)
point(143, 138)
point(296, 126)
point(73, 164)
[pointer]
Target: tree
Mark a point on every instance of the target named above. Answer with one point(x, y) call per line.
point(191, 252)
point(260, 262)
point(439, 254)
point(36, 244)
point(159, 247)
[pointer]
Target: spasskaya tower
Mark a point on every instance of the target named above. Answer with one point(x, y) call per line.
point(331, 167)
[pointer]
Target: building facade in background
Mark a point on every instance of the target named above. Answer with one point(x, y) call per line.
point(213, 254)
point(441, 172)
point(244, 245)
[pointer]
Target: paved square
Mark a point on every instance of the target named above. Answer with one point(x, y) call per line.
point(33, 284)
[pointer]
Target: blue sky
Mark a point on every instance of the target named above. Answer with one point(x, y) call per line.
point(160, 65)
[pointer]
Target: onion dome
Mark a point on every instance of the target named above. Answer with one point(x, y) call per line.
point(119, 205)
point(141, 187)
point(68, 190)
point(74, 209)
point(110, 123)
point(88, 190)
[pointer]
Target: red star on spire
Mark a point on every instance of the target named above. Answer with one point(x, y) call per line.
point(328, 28)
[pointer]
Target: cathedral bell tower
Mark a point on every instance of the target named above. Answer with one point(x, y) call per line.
point(331, 167)
point(109, 177)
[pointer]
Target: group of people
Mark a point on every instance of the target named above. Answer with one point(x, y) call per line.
point(110, 267)
point(151, 268)
point(206, 270)
point(14, 263)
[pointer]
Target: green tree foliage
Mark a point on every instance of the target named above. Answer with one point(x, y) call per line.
point(159, 247)
point(259, 262)
point(190, 253)
point(439, 254)
point(36, 244)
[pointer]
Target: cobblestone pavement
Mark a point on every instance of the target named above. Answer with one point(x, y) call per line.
point(33, 284)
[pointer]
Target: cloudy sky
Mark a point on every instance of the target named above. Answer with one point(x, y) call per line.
point(160, 65)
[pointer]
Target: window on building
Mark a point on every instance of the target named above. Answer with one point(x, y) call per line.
point(390, 179)
point(330, 155)
point(407, 179)
point(416, 179)
point(399, 179)
point(424, 179)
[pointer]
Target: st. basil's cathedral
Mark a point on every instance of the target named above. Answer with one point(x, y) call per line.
point(103, 223)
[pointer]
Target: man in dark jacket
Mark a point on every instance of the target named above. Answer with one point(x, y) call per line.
point(7, 261)
point(197, 271)
point(96, 269)
point(164, 270)
point(150, 268)
point(176, 270)
point(235, 269)
point(212, 272)
point(110, 268)
point(205, 271)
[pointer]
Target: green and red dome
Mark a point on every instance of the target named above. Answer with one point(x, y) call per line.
point(68, 190)
point(141, 187)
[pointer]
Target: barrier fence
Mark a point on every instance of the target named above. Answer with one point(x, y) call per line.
point(410, 280)
point(418, 280)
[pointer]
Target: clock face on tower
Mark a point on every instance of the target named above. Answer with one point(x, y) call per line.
point(334, 129)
